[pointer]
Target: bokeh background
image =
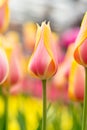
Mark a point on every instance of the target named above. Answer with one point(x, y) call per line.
point(25, 99)
point(62, 13)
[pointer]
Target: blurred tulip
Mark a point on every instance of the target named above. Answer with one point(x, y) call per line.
point(13, 37)
point(61, 78)
point(60, 52)
point(27, 86)
point(29, 34)
point(80, 53)
point(4, 15)
point(15, 72)
point(14, 41)
point(76, 82)
point(43, 62)
point(69, 36)
point(13, 60)
point(55, 94)
point(3, 66)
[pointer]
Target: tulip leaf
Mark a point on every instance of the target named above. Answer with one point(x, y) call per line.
point(21, 121)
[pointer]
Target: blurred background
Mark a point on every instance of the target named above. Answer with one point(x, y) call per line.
point(61, 13)
point(25, 99)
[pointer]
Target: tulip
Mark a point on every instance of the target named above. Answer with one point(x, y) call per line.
point(76, 82)
point(69, 36)
point(29, 34)
point(60, 51)
point(61, 77)
point(80, 56)
point(4, 69)
point(80, 53)
point(43, 62)
point(13, 60)
point(55, 94)
point(13, 37)
point(4, 15)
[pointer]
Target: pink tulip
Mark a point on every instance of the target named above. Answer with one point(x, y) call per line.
point(69, 36)
point(43, 62)
point(13, 56)
point(15, 72)
point(61, 77)
point(3, 66)
point(29, 86)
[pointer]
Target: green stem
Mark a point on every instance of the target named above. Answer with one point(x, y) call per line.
point(84, 127)
point(44, 106)
point(6, 112)
point(4, 119)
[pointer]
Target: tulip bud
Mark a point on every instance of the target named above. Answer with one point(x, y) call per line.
point(43, 62)
point(80, 53)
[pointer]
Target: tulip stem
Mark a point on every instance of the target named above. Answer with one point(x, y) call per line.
point(84, 123)
point(6, 112)
point(44, 106)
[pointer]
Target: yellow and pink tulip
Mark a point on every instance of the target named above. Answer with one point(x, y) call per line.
point(43, 62)
point(13, 60)
point(80, 53)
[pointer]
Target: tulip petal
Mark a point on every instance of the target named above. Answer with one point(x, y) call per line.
point(50, 45)
point(83, 31)
point(39, 60)
point(4, 15)
point(81, 40)
point(83, 52)
point(71, 81)
point(15, 72)
point(3, 66)
point(79, 83)
point(43, 63)
point(76, 82)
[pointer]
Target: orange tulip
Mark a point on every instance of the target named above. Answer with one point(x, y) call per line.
point(4, 15)
point(43, 62)
point(3, 66)
point(80, 53)
point(76, 82)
